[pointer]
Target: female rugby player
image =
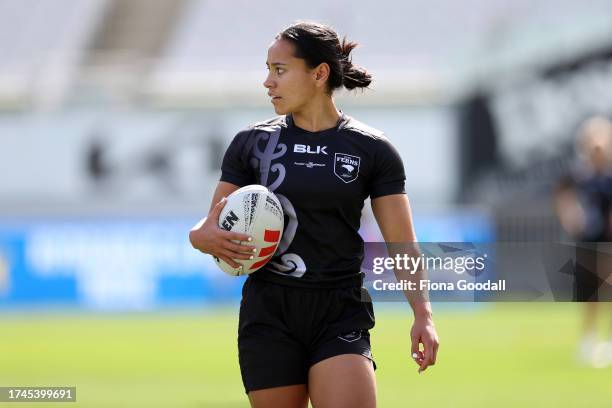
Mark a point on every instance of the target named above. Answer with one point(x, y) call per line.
point(303, 327)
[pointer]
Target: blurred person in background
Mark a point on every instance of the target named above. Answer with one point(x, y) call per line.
point(303, 325)
point(584, 207)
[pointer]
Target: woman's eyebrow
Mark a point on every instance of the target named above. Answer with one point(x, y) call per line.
point(275, 64)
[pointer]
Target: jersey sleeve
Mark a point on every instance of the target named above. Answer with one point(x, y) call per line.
point(235, 168)
point(388, 176)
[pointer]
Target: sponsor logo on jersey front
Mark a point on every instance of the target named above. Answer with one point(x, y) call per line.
point(300, 148)
point(310, 164)
point(346, 167)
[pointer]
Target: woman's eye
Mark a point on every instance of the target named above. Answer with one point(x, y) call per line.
point(279, 70)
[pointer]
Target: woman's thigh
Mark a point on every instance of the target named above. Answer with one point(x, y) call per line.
point(291, 396)
point(342, 381)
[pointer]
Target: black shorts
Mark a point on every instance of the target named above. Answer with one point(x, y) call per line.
point(284, 330)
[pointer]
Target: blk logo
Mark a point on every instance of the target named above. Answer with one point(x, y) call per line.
point(300, 148)
point(229, 221)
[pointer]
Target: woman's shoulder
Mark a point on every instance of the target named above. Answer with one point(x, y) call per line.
point(360, 128)
point(373, 138)
point(269, 124)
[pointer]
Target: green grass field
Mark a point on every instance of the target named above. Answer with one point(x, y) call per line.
point(504, 355)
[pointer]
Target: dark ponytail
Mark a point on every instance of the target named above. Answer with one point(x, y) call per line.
point(317, 43)
point(353, 76)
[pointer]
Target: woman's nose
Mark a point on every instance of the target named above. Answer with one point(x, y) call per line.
point(268, 82)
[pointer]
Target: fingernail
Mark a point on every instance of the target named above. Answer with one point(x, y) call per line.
point(250, 239)
point(254, 250)
point(415, 355)
point(251, 257)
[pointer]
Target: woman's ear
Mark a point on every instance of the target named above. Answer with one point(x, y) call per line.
point(321, 73)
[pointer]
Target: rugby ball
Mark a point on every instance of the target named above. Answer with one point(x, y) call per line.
point(256, 211)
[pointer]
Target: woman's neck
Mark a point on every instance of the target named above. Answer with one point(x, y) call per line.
point(317, 116)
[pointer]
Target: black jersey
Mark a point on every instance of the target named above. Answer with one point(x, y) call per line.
point(321, 179)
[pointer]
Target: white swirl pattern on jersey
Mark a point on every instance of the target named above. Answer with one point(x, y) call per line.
point(290, 264)
point(263, 159)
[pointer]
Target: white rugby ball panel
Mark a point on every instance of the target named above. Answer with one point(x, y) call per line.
point(255, 211)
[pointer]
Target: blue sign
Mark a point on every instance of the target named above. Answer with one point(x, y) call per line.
point(135, 264)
